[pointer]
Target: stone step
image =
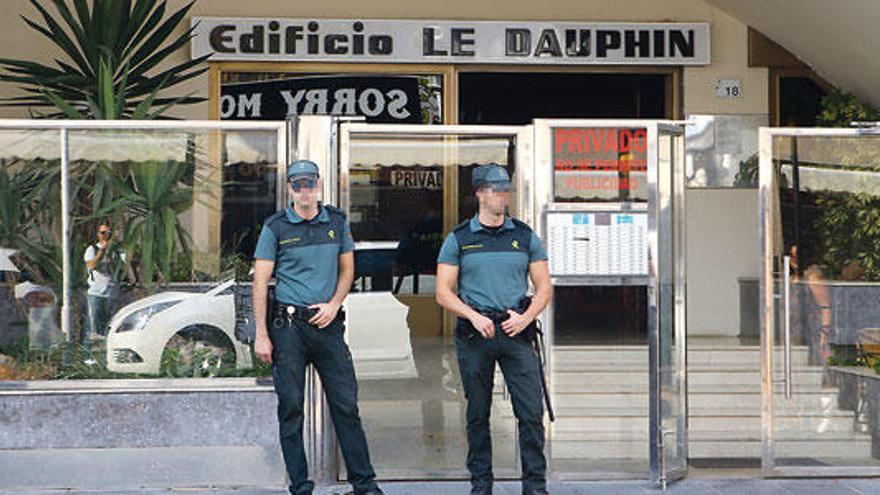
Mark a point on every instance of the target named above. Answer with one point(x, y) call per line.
point(841, 448)
point(859, 449)
point(642, 387)
point(699, 355)
point(811, 376)
point(712, 436)
point(642, 367)
point(590, 411)
point(711, 411)
point(728, 401)
point(836, 421)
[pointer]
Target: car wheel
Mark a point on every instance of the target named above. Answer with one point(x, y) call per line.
point(198, 351)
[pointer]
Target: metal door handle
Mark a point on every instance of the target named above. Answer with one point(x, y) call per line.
point(786, 351)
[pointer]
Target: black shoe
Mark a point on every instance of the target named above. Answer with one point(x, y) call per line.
point(374, 491)
point(536, 492)
point(481, 490)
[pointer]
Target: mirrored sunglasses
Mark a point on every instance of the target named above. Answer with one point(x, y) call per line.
point(499, 187)
point(300, 184)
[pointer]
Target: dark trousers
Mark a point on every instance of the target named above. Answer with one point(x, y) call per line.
point(520, 366)
point(294, 347)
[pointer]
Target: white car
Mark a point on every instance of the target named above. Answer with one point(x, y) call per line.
point(376, 330)
point(140, 332)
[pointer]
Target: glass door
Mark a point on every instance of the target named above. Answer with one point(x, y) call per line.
point(404, 187)
point(666, 308)
point(820, 321)
point(611, 197)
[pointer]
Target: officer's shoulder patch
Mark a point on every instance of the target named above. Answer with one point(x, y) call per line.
point(274, 217)
point(334, 210)
point(462, 225)
point(521, 224)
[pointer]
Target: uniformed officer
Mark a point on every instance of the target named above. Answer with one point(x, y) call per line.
point(309, 248)
point(490, 257)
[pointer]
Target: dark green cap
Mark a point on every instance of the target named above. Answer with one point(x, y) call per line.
point(491, 174)
point(302, 168)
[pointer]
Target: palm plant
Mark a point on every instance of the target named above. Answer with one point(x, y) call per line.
point(153, 197)
point(28, 203)
point(113, 50)
point(18, 190)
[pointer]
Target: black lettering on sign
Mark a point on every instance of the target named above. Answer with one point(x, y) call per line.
point(268, 37)
point(358, 38)
point(659, 43)
point(252, 42)
point(274, 37)
point(462, 39)
point(633, 42)
point(429, 49)
point(292, 35)
point(678, 43)
point(334, 44)
point(380, 45)
point(517, 42)
point(219, 39)
point(548, 44)
point(606, 40)
point(577, 42)
point(642, 43)
point(417, 179)
point(312, 38)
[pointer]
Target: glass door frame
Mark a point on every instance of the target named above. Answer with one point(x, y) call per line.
point(768, 190)
point(672, 194)
point(533, 182)
point(337, 191)
point(660, 473)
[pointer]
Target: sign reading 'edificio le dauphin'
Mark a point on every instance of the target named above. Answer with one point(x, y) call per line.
point(408, 41)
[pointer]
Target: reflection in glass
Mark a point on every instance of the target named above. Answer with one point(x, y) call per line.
point(411, 398)
point(31, 341)
point(722, 150)
point(154, 255)
point(826, 212)
point(159, 194)
point(250, 173)
point(378, 98)
point(599, 375)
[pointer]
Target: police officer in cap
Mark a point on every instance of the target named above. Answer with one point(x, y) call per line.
point(308, 247)
point(490, 257)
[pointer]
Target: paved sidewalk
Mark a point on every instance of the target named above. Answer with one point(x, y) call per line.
point(708, 486)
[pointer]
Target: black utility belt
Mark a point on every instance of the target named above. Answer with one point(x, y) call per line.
point(466, 330)
point(296, 312)
point(496, 316)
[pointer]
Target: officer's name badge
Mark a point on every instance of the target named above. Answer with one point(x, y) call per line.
point(288, 241)
point(472, 246)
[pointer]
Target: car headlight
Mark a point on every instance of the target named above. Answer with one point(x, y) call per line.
point(138, 320)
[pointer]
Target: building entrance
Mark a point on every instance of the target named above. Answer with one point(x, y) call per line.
point(609, 212)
